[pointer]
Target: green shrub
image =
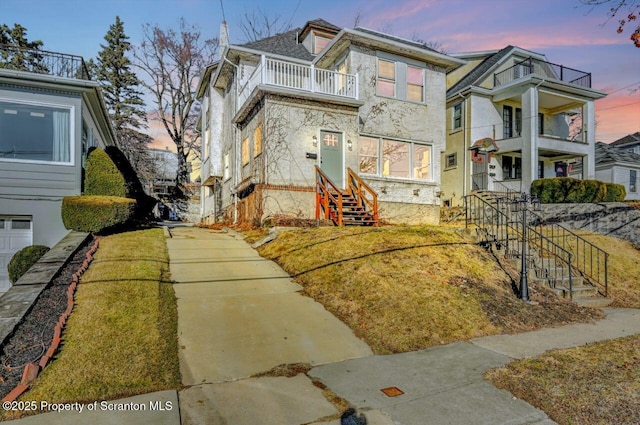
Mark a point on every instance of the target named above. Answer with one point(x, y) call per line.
point(96, 213)
point(22, 261)
point(566, 189)
point(103, 177)
point(615, 193)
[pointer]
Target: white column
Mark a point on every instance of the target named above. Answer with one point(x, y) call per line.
point(589, 127)
point(529, 137)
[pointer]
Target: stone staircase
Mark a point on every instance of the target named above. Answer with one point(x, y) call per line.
point(548, 264)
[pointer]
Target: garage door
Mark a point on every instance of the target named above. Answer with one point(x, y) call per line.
point(15, 234)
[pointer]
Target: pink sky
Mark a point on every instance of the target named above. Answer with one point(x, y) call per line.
point(567, 32)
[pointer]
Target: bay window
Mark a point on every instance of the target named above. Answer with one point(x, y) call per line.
point(395, 158)
point(35, 132)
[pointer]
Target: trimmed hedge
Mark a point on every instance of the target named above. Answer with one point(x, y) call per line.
point(22, 260)
point(569, 190)
point(96, 213)
point(103, 177)
point(615, 193)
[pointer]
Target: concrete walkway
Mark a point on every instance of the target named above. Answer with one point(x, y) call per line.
point(239, 315)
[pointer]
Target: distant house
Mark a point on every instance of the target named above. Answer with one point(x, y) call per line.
point(619, 165)
point(539, 116)
point(629, 142)
point(50, 115)
point(364, 107)
point(165, 171)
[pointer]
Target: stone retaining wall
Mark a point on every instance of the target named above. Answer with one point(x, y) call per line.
point(610, 218)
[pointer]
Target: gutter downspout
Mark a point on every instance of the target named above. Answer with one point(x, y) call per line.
point(464, 150)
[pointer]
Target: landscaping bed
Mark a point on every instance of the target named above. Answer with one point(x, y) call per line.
point(33, 336)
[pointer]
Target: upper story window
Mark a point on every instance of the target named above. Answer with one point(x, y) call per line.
point(386, 78)
point(319, 43)
point(31, 132)
point(257, 140)
point(457, 116)
point(400, 80)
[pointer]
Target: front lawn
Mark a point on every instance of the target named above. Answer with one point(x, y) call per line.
point(121, 339)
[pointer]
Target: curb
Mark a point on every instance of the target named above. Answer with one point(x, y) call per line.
point(32, 370)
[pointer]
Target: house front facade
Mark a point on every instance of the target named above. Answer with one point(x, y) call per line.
point(619, 165)
point(50, 115)
point(539, 116)
point(320, 96)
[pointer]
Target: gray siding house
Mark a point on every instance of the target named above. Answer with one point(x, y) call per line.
point(50, 115)
point(320, 96)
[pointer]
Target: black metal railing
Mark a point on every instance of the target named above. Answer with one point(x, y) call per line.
point(43, 62)
point(561, 253)
point(497, 225)
point(544, 69)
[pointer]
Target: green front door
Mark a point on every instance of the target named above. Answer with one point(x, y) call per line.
point(331, 160)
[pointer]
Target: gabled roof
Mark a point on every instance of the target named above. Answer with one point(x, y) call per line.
point(476, 73)
point(320, 24)
point(285, 44)
point(605, 153)
point(630, 139)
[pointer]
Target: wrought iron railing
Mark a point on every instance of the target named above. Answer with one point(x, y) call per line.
point(43, 62)
point(544, 69)
point(562, 254)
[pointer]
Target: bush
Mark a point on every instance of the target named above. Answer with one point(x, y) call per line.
point(570, 190)
point(22, 261)
point(96, 213)
point(103, 177)
point(615, 193)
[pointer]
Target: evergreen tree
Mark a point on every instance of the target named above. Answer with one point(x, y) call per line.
point(16, 52)
point(120, 86)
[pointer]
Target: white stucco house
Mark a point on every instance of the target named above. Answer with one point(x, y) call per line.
point(333, 98)
point(539, 116)
point(50, 115)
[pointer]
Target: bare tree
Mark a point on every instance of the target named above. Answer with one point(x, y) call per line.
point(433, 45)
point(257, 24)
point(617, 8)
point(172, 62)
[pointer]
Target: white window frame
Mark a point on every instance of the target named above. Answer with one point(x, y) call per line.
point(412, 165)
point(456, 107)
point(72, 130)
point(400, 81)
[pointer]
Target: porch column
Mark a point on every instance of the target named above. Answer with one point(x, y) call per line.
point(529, 137)
point(589, 128)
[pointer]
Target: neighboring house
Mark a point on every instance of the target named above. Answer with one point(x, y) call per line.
point(50, 115)
point(165, 171)
point(539, 115)
point(617, 165)
point(274, 109)
point(629, 142)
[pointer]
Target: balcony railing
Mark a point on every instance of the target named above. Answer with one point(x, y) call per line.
point(543, 69)
point(43, 62)
point(306, 78)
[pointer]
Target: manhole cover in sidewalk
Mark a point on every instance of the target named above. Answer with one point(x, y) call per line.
point(392, 391)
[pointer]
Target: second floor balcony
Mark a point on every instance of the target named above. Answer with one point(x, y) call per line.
point(278, 74)
point(543, 69)
point(42, 62)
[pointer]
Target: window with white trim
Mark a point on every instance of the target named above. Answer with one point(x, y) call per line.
point(395, 158)
point(633, 179)
point(320, 43)
point(457, 116)
point(400, 80)
point(30, 132)
point(226, 172)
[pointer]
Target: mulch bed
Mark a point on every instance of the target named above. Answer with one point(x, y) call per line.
point(33, 336)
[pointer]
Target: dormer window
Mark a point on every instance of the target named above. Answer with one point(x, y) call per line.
point(319, 43)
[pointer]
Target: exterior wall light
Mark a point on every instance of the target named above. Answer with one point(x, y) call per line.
point(315, 140)
point(349, 145)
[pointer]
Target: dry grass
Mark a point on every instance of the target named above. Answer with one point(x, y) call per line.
point(409, 288)
point(593, 384)
point(121, 338)
point(624, 285)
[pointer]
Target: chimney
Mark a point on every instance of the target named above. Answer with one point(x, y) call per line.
point(224, 35)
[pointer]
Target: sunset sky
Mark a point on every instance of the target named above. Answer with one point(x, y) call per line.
point(567, 32)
